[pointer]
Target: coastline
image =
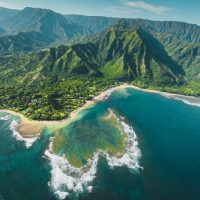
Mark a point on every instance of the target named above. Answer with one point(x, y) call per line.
point(31, 128)
point(190, 100)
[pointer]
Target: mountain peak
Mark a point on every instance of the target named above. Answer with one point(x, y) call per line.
point(31, 9)
point(46, 22)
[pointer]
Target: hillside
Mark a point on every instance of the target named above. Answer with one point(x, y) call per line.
point(23, 42)
point(117, 53)
point(35, 28)
point(6, 13)
point(133, 54)
point(45, 22)
point(39, 20)
point(2, 31)
point(184, 52)
point(92, 24)
point(49, 84)
point(175, 40)
point(60, 29)
point(180, 30)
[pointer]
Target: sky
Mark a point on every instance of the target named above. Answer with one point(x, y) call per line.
point(178, 10)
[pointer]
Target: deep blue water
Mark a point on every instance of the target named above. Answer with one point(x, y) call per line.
point(168, 133)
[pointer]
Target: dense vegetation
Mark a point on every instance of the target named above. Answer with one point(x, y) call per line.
point(117, 53)
point(191, 88)
point(51, 99)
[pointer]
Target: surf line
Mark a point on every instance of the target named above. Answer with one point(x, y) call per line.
point(66, 180)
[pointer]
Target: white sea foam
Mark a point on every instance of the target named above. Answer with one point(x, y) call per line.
point(107, 95)
point(132, 153)
point(188, 102)
point(67, 179)
point(61, 195)
point(123, 92)
point(5, 118)
point(27, 141)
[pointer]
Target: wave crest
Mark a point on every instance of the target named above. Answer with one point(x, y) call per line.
point(27, 141)
point(5, 118)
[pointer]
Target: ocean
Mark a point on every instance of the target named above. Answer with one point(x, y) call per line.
point(162, 160)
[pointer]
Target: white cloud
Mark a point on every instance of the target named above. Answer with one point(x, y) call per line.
point(121, 10)
point(9, 5)
point(146, 6)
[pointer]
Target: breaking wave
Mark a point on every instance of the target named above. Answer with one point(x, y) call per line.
point(5, 118)
point(189, 102)
point(67, 180)
point(27, 141)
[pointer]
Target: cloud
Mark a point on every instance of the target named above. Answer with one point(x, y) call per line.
point(146, 6)
point(121, 10)
point(9, 5)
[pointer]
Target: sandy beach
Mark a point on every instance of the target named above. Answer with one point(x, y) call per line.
point(32, 128)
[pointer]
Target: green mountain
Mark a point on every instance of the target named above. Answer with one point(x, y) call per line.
point(39, 20)
point(186, 54)
point(45, 22)
point(23, 42)
point(92, 24)
point(180, 30)
point(49, 84)
point(31, 29)
point(117, 53)
point(165, 45)
point(176, 41)
point(134, 53)
point(44, 28)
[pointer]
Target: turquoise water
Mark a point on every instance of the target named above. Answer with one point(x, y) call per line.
point(168, 133)
point(82, 138)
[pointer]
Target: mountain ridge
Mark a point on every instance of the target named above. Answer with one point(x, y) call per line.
point(67, 27)
point(43, 21)
point(116, 54)
point(179, 45)
point(7, 12)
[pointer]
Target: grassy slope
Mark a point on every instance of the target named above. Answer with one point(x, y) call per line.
point(187, 54)
point(117, 54)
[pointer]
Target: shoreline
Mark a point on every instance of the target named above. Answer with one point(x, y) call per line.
point(190, 100)
point(31, 128)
